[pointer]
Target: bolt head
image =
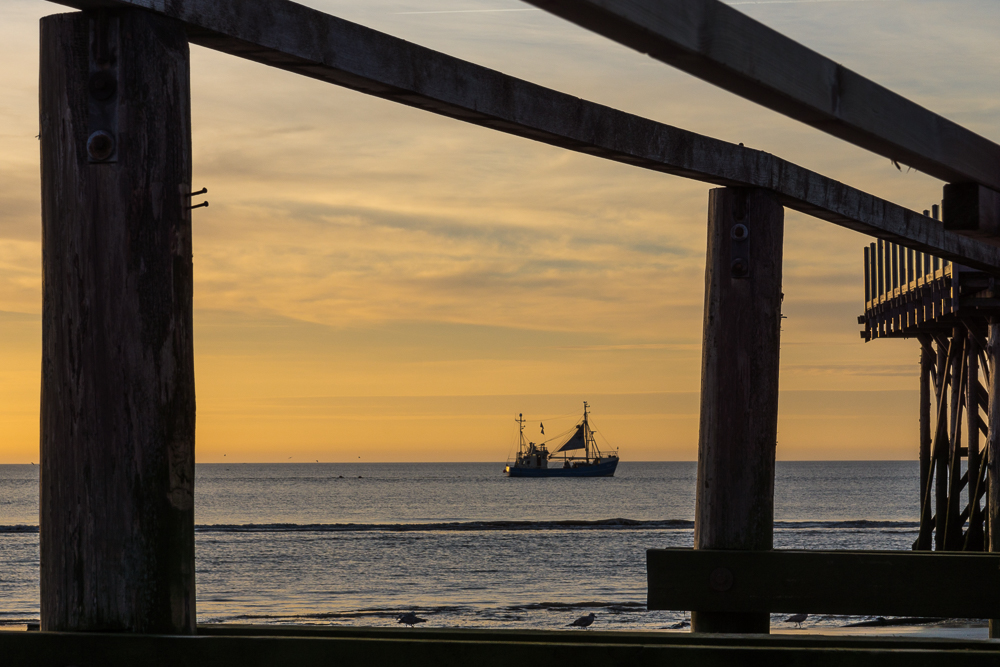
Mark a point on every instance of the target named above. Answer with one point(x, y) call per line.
point(100, 146)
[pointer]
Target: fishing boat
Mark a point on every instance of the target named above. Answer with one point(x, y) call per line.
point(580, 456)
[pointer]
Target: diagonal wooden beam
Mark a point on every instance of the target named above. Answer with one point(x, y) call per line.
point(719, 44)
point(292, 37)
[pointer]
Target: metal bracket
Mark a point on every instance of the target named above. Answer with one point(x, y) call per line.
point(102, 90)
point(739, 251)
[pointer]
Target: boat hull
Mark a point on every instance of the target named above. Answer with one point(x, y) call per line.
point(602, 469)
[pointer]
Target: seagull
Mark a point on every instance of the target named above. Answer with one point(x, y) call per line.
point(797, 619)
point(583, 621)
point(410, 618)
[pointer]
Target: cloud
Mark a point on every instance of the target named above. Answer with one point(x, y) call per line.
point(358, 247)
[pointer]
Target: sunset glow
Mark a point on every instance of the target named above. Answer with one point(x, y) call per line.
point(375, 281)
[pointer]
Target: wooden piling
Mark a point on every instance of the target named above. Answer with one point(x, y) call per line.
point(993, 450)
point(118, 403)
point(739, 385)
point(974, 536)
point(926, 363)
point(953, 522)
point(942, 444)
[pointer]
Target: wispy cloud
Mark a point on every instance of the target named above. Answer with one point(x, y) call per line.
point(469, 11)
point(798, 2)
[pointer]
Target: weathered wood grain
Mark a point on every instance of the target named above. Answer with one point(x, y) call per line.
point(734, 501)
point(288, 36)
point(723, 46)
point(883, 583)
point(118, 403)
point(592, 636)
point(38, 649)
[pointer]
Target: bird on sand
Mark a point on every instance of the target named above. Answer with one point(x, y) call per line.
point(583, 621)
point(410, 618)
point(797, 619)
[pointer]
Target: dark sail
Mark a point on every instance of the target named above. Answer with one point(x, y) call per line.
point(575, 442)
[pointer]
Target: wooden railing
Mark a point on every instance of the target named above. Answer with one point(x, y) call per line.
point(891, 270)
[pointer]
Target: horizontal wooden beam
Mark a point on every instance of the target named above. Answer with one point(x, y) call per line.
point(49, 649)
point(723, 46)
point(883, 583)
point(972, 210)
point(594, 636)
point(290, 36)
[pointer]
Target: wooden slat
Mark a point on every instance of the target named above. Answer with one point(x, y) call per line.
point(868, 276)
point(40, 649)
point(717, 43)
point(290, 36)
point(885, 583)
point(593, 635)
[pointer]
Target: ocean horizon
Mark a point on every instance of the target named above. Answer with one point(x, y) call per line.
point(462, 545)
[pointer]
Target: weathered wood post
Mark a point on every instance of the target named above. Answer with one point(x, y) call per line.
point(992, 457)
point(942, 444)
point(739, 385)
point(118, 404)
point(926, 364)
point(974, 537)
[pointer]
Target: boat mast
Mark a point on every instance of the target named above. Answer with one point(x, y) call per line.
point(586, 434)
point(520, 421)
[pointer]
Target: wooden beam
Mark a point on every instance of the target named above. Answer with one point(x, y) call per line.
point(723, 46)
point(591, 636)
point(972, 210)
point(42, 649)
point(734, 501)
point(116, 517)
point(884, 583)
point(290, 36)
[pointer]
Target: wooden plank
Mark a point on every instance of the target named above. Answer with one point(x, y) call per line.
point(883, 583)
point(717, 43)
point(591, 636)
point(289, 36)
point(39, 649)
point(872, 263)
point(868, 277)
point(883, 274)
point(734, 501)
point(118, 403)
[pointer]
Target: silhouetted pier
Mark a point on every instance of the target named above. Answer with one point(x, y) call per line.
point(118, 410)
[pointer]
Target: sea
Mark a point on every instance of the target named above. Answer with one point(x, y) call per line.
point(462, 545)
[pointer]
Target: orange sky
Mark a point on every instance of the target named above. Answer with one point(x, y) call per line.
point(372, 280)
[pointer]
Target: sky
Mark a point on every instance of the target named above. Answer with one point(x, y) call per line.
point(375, 282)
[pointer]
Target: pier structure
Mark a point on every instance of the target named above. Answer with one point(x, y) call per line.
point(117, 532)
point(948, 308)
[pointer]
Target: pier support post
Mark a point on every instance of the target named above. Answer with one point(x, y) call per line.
point(923, 542)
point(992, 457)
point(739, 384)
point(118, 404)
